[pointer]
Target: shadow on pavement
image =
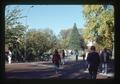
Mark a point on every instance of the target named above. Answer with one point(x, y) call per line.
point(71, 70)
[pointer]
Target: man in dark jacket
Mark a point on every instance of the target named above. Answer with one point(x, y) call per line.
point(93, 62)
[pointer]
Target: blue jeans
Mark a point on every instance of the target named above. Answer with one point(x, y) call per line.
point(104, 68)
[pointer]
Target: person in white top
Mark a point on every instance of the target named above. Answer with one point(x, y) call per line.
point(9, 57)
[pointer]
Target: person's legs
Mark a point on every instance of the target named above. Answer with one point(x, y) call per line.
point(106, 68)
point(87, 67)
point(57, 67)
point(76, 58)
point(100, 68)
point(90, 72)
point(9, 59)
point(62, 61)
point(103, 68)
point(95, 72)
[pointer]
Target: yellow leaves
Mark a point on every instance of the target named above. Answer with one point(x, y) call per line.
point(95, 14)
point(95, 7)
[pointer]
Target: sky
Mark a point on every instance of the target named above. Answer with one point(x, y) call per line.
point(55, 17)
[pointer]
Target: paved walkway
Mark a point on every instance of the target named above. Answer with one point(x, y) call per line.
point(45, 70)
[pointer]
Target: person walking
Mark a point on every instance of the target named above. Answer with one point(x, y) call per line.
point(63, 57)
point(83, 55)
point(9, 56)
point(93, 62)
point(104, 55)
point(77, 54)
point(87, 50)
point(56, 60)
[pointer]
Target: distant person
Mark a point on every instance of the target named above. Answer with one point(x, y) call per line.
point(9, 56)
point(104, 55)
point(83, 55)
point(6, 55)
point(71, 52)
point(63, 57)
point(56, 60)
point(93, 62)
point(77, 54)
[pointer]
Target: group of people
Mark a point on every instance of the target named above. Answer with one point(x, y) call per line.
point(94, 61)
point(97, 60)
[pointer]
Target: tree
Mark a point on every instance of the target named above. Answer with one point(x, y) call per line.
point(40, 40)
point(81, 32)
point(74, 39)
point(99, 24)
point(14, 31)
point(64, 38)
point(48, 33)
point(12, 25)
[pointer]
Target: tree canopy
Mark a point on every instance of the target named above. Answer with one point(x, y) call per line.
point(13, 27)
point(99, 24)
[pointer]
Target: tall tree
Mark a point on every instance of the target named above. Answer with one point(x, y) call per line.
point(74, 39)
point(99, 24)
point(64, 38)
point(82, 44)
point(13, 27)
point(48, 33)
point(14, 31)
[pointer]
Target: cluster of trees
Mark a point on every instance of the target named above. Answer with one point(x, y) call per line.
point(23, 43)
point(42, 40)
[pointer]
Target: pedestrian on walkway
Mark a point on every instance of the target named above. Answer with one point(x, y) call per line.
point(104, 56)
point(86, 54)
point(56, 60)
point(63, 57)
point(9, 56)
point(77, 54)
point(83, 55)
point(93, 62)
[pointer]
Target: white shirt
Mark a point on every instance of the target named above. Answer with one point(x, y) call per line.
point(10, 53)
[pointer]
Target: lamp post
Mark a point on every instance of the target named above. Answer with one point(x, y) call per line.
point(26, 29)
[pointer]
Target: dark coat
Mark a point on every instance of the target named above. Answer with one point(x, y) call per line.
point(93, 59)
point(56, 58)
point(63, 55)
